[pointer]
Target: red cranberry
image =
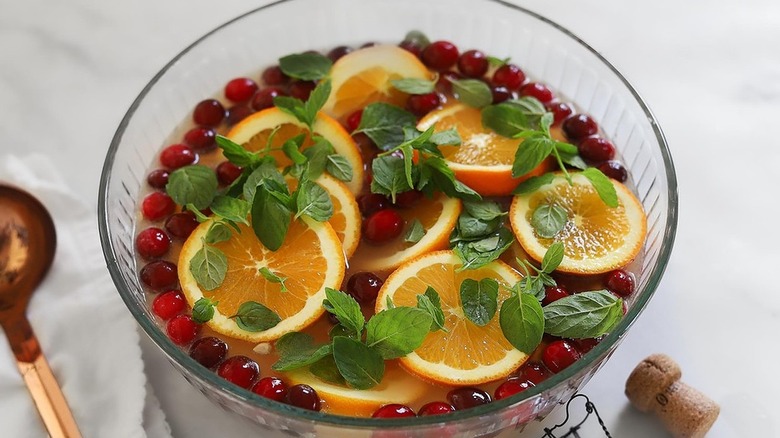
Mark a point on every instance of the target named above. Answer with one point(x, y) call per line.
point(157, 205)
point(169, 304)
point(303, 396)
point(239, 370)
point(538, 91)
point(554, 293)
point(159, 275)
point(615, 170)
point(444, 83)
point(364, 287)
point(422, 104)
point(228, 172)
point(238, 113)
point(467, 397)
point(534, 372)
point(337, 52)
point(559, 355)
point(353, 121)
point(371, 203)
point(265, 98)
point(240, 89)
point(411, 47)
point(408, 199)
point(620, 283)
point(182, 329)
point(271, 387)
point(394, 410)
point(512, 387)
point(208, 113)
point(274, 76)
point(152, 243)
point(302, 89)
point(510, 76)
point(383, 226)
point(181, 225)
point(596, 149)
point(585, 345)
point(473, 64)
point(177, 155)
point(560, 111)
point(435, 408)
point(209, 351)
point(500, 93)
point(158, 178)
point(440, 55)
point(201, 138)
point(579, 126)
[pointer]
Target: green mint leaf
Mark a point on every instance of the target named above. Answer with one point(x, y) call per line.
point(230, 209)
point(534, 183)
point(497, 62)
point(415, 232)
point(430, 302)
point(273, 278)
point(522, 322)
point(313, 201)
point(292, 149)
point(305, 66)
point(255, 317)
point(552, 257)
point(436, 172)
point(548, 220)
point(414, 85)
point(338, 167)
point(505, 119)
point(470, 227)
point(479, 253)
point(572, 159)
point(479, 300)
point(472, 92)
point(217, 232)
point(389, 177)
point(235, 153)
point(602, 184)
point(546, 279)
point(317, 156)
point(361, 367)
point(408, 153)
point(583, 315)
point(340, 330)
point(483, 210)
point(270, 218)
point(529, 105)
point(326, 370)
point(345, 309)
point(293, 106)
point(449, 137)
point(390, 304)
point(384, 124)
point(196, 185)
point(534, 286)
point(396, 332)
point(198, 214)
point(316, 100)
point(203, 310)
point(297, 350)
point(531, 152)
point(209, 266)
point(417, 38)
point(264, 172)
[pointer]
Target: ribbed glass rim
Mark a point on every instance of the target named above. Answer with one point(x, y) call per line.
point(177, 354)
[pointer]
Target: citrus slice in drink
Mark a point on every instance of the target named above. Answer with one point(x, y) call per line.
point(466, 354)
point(437, 216)
point(310, 259)
point(346, 214)
point(483, 160)
point(363, 77)
point(596, 238)
point(271, 127)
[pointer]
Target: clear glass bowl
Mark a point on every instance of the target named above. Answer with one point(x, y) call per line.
point(244, 46)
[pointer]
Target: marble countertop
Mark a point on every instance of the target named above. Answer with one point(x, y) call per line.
point(709, 70)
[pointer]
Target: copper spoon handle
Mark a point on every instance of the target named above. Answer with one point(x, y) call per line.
point(40, 381)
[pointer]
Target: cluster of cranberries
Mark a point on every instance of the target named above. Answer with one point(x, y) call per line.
point(382, 221)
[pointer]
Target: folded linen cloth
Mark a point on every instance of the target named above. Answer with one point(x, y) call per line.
point(85, 331)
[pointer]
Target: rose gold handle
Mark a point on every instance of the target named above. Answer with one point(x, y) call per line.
point(48, 398)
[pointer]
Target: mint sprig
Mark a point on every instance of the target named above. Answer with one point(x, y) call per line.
point(535, 283)
point(273, 277)
point(305, 112)
point(195, 184)
point(384, 124)
point(583, 315)
point(480, 236)
point(472, 92)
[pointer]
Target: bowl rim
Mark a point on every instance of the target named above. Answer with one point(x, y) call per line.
point(178, 355)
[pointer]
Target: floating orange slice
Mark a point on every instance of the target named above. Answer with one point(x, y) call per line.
point(596, 238)
point(254, 131)
point(483, 161)
point(310, 259)
point(363, 77)
point(466, 354)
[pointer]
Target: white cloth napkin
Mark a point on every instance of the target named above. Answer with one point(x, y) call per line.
point(85, 331)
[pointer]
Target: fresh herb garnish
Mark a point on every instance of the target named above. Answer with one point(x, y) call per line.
point(203, 310)
point(478, 253)
point(255, 317)
point(549, 219)
point(271, 213)
point(480, 236)
point(384, 124)
point(305, 66)
point(305, 112)
point(533, 183)
point(415, 232)
point(497, 62)
point(479, 300)
point(603, 186)
point(417, 38)
point(218, 232)
point(414, 85)
point(209, 266)
point(431, 303)
point(583, 315)
point(396, 332)
point(313, 201)
point(346, 310)
point(339, 167)
point(297, 350)
point(231, 209)
point(195, 185)
point(274, 278)
point(472, 92)
point(361, 366)
point(534, 283)
point(522, 321)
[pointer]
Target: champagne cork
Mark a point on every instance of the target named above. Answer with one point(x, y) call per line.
point(654, 386)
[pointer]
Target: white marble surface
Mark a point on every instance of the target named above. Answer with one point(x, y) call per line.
point(710, 71)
